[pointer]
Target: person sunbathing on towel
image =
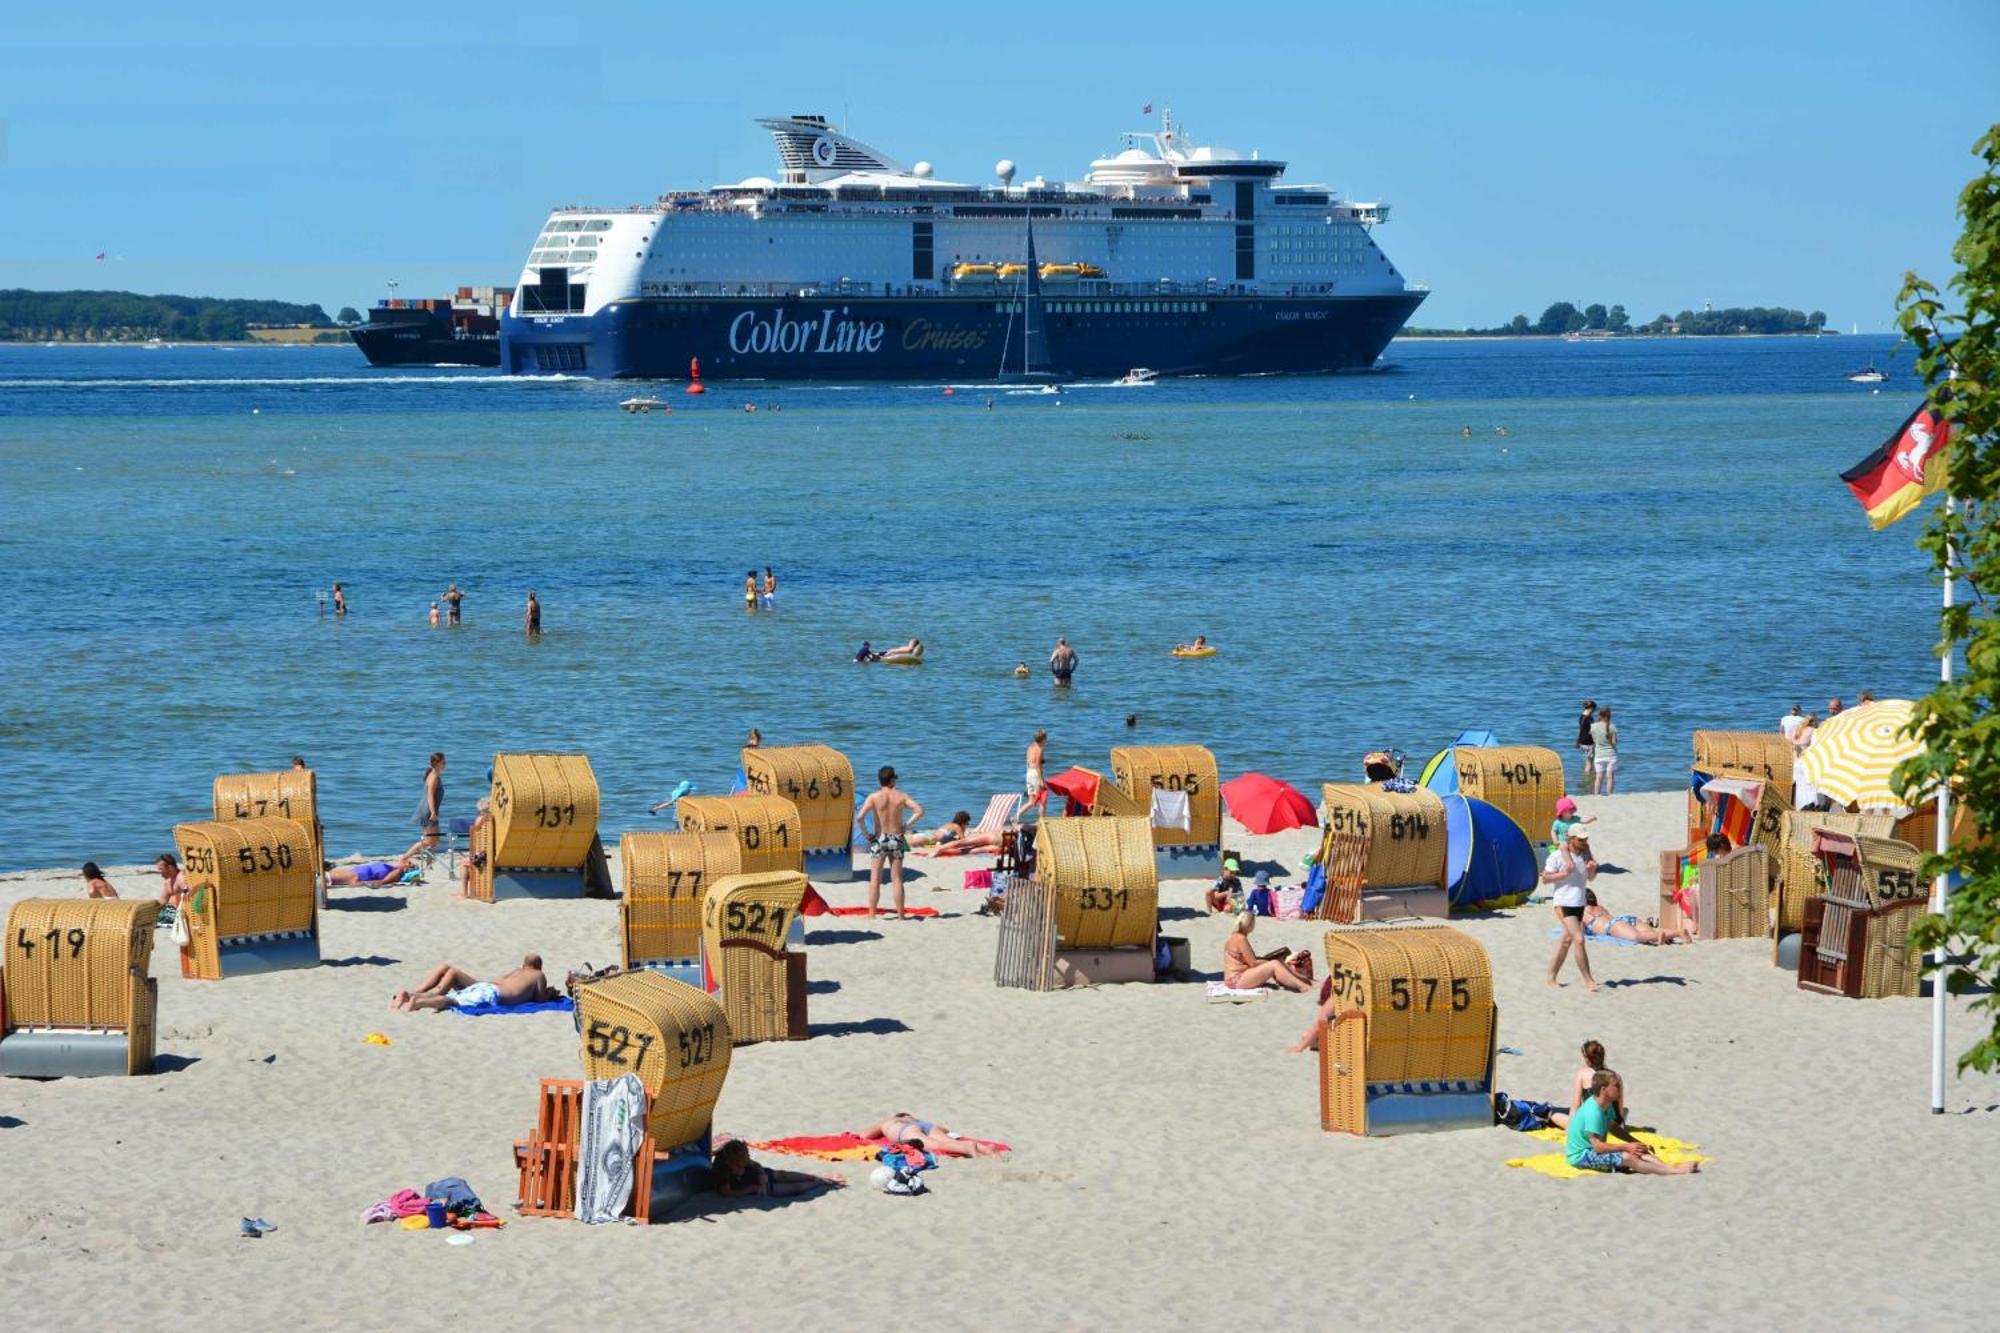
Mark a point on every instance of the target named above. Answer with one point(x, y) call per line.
point(952, 830)
point(737, 1176)
point(449, 987)
point(1597, 920)
point(372, 875)
point(1244, 969)
point(903, 1127)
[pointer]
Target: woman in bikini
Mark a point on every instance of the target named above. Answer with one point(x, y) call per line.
point(1597, 920)
point(940, 1141)
point(1593, 1064)
point(1244, 969)
point(750, 591)
point(432, 801)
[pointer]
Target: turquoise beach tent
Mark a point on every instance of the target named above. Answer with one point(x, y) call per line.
point(1441, 773)
point(1487, 857)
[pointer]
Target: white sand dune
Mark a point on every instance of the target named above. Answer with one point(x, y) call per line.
point(1168, 1169)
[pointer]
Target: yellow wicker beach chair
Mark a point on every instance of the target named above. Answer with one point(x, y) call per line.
point(818, 780)
point(1524, 781)
point(291, 793)
point(1090, 914)
point(1403, 836)
point(540, 838)
point(1410, 1046)
point(1799, 873)
point(672, 1035)
point(1855, 938)
point(767, 828)
point(255, 905)
point(745, 921)
point(1196, 851)
point(1764, 755)
point(666, 877)
point(76, 999)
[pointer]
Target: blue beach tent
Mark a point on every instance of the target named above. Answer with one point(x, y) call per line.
point(1487, 857)
point(1441, 773)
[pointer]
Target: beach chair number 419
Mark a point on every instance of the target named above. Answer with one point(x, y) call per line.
point(74, 938)
point(610, 1043)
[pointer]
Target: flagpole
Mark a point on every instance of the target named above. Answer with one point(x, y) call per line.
point(1943, 845)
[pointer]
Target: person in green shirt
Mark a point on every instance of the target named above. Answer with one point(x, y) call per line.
point(1588, 1143)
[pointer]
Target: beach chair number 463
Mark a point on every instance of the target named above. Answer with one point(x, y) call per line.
point(610, 1042)
point(74, 938)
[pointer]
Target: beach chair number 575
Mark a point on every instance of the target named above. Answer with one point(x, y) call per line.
point(1401, 996)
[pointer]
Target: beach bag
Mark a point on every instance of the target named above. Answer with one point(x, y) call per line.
point(1301, 964)
point(1291, 903)
point(181, 934)
point(1315, 889)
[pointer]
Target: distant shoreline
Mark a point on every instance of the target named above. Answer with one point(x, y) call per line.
point(1436, 337)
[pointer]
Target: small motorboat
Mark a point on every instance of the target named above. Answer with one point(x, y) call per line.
point(641, 405)
point(1867, 375)
point(1137, 377)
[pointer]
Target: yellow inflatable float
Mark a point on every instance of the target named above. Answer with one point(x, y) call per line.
point(1199, 648)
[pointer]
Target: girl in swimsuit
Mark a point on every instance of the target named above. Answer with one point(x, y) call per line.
point(750, 591)
point(903, 1127)
point(1244, 969)
point(1597, 920)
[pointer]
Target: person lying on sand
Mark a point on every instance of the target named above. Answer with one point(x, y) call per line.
point(1244, 969)
point(448, 987)
point(952, 830)
point(1588, 1143)
point(737, 1176)
point(1597, 920)
point(371, 874)
point(940, 1141)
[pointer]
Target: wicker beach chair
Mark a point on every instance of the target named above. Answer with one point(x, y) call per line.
point(819, 781)
point(540, 839)
point(1404, 840)
point(1091, 912)
point(291, 793)
point(76, 999)
point(745, 921)
point(666, 877)
point(1523, 781)
point(255, 905)
point(1799, 874)
point(767, 828)
point(1855, 937)
point(1140, 770)
point(1731, 894)
point(1410, 1045)
point(675, 1037)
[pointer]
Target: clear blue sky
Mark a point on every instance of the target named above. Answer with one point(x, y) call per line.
point(1654, 155)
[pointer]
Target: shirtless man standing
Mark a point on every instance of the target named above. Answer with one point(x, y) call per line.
point(894, 813)
point(1036, 750)
point(448, 986)
point(1062, 662)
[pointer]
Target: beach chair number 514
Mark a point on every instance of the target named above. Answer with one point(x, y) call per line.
point(610, 1043)
point(55, 936)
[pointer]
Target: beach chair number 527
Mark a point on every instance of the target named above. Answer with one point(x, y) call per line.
point(697, 1045)
point(610, 1043)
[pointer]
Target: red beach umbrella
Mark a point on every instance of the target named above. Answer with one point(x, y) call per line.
point(1263, 804)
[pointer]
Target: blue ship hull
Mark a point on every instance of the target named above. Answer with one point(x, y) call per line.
point(958, 337)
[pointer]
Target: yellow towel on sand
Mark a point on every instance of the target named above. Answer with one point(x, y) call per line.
point(1556, 1164)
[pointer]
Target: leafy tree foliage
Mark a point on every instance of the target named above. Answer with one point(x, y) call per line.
point(1958, 352)
point(107, 315)
point(1562, 317)
point(348, 315)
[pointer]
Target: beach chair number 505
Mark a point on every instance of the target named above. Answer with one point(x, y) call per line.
point(609, 1043)
point(1402, 995)
point(55, 937)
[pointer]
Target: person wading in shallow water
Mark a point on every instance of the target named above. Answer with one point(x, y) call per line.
point(533, 620)
point(1062, 662)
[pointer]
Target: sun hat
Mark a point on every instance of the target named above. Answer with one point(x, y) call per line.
point(1263, 877)
point(1565, 806)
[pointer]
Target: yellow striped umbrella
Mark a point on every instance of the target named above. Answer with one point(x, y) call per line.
point(1854, 754)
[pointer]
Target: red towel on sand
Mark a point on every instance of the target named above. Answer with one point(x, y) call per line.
point(841, 1147)
point(814, 905)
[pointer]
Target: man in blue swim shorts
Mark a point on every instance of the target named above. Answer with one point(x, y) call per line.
point(448, 987)
point(1589, 1147)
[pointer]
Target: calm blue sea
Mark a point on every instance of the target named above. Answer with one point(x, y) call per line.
point(1662, 527)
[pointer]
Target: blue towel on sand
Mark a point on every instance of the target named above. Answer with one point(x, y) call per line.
point(1555, 933)
point(544, 1007)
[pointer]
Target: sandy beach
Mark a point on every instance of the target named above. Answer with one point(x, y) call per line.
point(1168, 1169)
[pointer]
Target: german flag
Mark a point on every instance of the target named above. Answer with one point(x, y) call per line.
point(1910, 465)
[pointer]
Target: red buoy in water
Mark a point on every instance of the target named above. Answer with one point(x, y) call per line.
point(949, 391)
point(694, 376)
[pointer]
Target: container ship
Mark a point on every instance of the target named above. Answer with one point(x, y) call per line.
point(463, 330)
point(1181, 258)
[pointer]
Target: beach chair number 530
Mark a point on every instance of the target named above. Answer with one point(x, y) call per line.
point(55, 937)
point(610, 1043)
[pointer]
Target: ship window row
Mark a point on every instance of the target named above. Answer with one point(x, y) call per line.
point(580, 224)
point(1114, 307)
point(562, 256)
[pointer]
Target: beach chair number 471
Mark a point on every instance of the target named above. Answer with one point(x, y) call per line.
point(55, 937)
point(262, 804)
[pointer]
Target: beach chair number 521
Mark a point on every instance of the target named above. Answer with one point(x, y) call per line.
point(754, 918)
point(1402, 996)
point(55, 937)
point(610, 1043)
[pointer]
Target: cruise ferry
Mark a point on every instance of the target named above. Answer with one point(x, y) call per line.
point(1183, 258)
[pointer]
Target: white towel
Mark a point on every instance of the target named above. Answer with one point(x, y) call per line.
point(614, 1125)
point(1221, 994)
point(1170, 810)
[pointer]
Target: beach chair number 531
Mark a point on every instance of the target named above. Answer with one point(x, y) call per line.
point(1106, 900)
point(610, 1043)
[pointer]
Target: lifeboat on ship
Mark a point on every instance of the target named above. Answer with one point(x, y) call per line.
point(975, 273)
point(1071, 272)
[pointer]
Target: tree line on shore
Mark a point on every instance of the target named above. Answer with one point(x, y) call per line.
point(1565, 317)
point(83, 316)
